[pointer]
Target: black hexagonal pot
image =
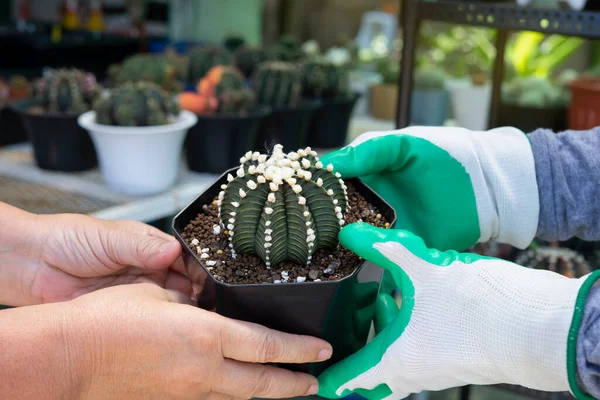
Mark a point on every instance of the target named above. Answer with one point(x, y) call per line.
point(339, 312)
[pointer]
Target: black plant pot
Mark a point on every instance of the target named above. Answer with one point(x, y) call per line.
point(287, 126)
point(12, 130)
point(528, 119)
point(217, 141)
point(59, 143)
point(339, 312)
point(329, 125)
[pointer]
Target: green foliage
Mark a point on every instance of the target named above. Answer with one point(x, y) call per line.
point(247, 59)
point(136, 104)
point(323, 79)
point(146, 68)
point(389, 70)
point(233, 42)
point(236, 101)
point(66, 90)
point(277, 83)
point(283, 207)
point(203, 59)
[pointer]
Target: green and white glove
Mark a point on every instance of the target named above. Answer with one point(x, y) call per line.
point(464, 319)
point(451, 186)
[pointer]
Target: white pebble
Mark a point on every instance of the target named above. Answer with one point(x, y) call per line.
point(216, 229)
point(284, 273)
point(317, 280)
point(195, 242)
point(276, 281)
point(242, 193)
point(269, 210)
point(300, 279)
point(205, 250)
point(251, 185)
point(211, 263)
point(204, 256)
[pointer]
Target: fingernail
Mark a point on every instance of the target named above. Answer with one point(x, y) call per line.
point(314, 389)
point(324, 354)
point(166, 247)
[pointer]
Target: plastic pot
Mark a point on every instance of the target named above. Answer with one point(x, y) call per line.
point(286, 126)
point(384, 101)
point(471, 105)
point(430, 107)
point(140, 160)
point(584, 110)
point(329, 125)
point(12, 129)
point(59, 143)
point(217, 141)
point(339, 312)
point(528, 119)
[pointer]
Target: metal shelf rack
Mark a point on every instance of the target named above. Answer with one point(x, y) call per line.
point(504, 17)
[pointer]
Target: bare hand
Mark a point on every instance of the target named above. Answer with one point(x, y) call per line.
point(143, 342)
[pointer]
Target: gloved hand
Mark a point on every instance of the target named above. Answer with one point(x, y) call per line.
point(464, 319)
point(451, 186)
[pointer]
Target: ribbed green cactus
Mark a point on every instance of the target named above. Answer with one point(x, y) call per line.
point(148, 68)
point(203, 59)
point(277, 83)
point(247, 59)
point(136, 104)
point(283, 207)
point(287, 49)
point(430, 78)
point(323, 79)
point(66, 90)
point(236, 101)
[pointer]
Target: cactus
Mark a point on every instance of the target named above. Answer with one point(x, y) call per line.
point(277, 83)
point(66, 91)
point(287, 49)
point(430, 79)
point(204, 58)
point(226, 85)
point(233, 42)
point(247, 59)
point(282, 207)
point(136, 104)
point(148, 68)
point(321, 78)
point(18, 87)
point(556, 259)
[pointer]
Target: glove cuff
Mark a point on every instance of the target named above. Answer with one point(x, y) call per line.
point(575, 390)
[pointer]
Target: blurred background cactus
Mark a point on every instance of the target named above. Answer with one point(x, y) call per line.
point(18, 87)
point(202, 59)
point(323, 79)
point(136, 104)
point(247, 59)
point(277, 84)
point(66, 91)
point(430, 78)
point(146, 68)
point(288, 49)
point(233, 42)
point(556, 259)
point(283, 207)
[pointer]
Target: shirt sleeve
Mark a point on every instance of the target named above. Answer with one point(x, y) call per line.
point(568, 176)
point(588, 346)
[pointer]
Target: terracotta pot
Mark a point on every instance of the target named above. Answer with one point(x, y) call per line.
point(384, 101)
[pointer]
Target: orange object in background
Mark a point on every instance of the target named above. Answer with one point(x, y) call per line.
point(584, 110)
point(198, 104)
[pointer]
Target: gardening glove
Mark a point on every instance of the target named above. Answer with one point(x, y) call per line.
point(451, 186)
point(464, 319)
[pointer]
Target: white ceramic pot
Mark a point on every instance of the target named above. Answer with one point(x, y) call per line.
point(471, 105)
point(139, 160)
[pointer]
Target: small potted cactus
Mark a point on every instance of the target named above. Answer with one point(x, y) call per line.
point(138, 130)
point(248, 58)
point(50, 119)
point(277, 84)
point(228, 120)
point(329, 83)
point(203, 59)
point(561, 260)
point(261, 245)
point(287, 49)
point(147, 68)
point(430, 99)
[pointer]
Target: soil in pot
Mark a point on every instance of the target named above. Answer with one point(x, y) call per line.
point(329, 125)
point(287, 126)
point(59, 143)
point(326, 265)
point(215, 143)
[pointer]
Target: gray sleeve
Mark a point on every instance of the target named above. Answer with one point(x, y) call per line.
point(588, 346)
point(568, 176)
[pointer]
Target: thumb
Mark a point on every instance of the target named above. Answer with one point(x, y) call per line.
point(371, 153)
point(143, 251)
